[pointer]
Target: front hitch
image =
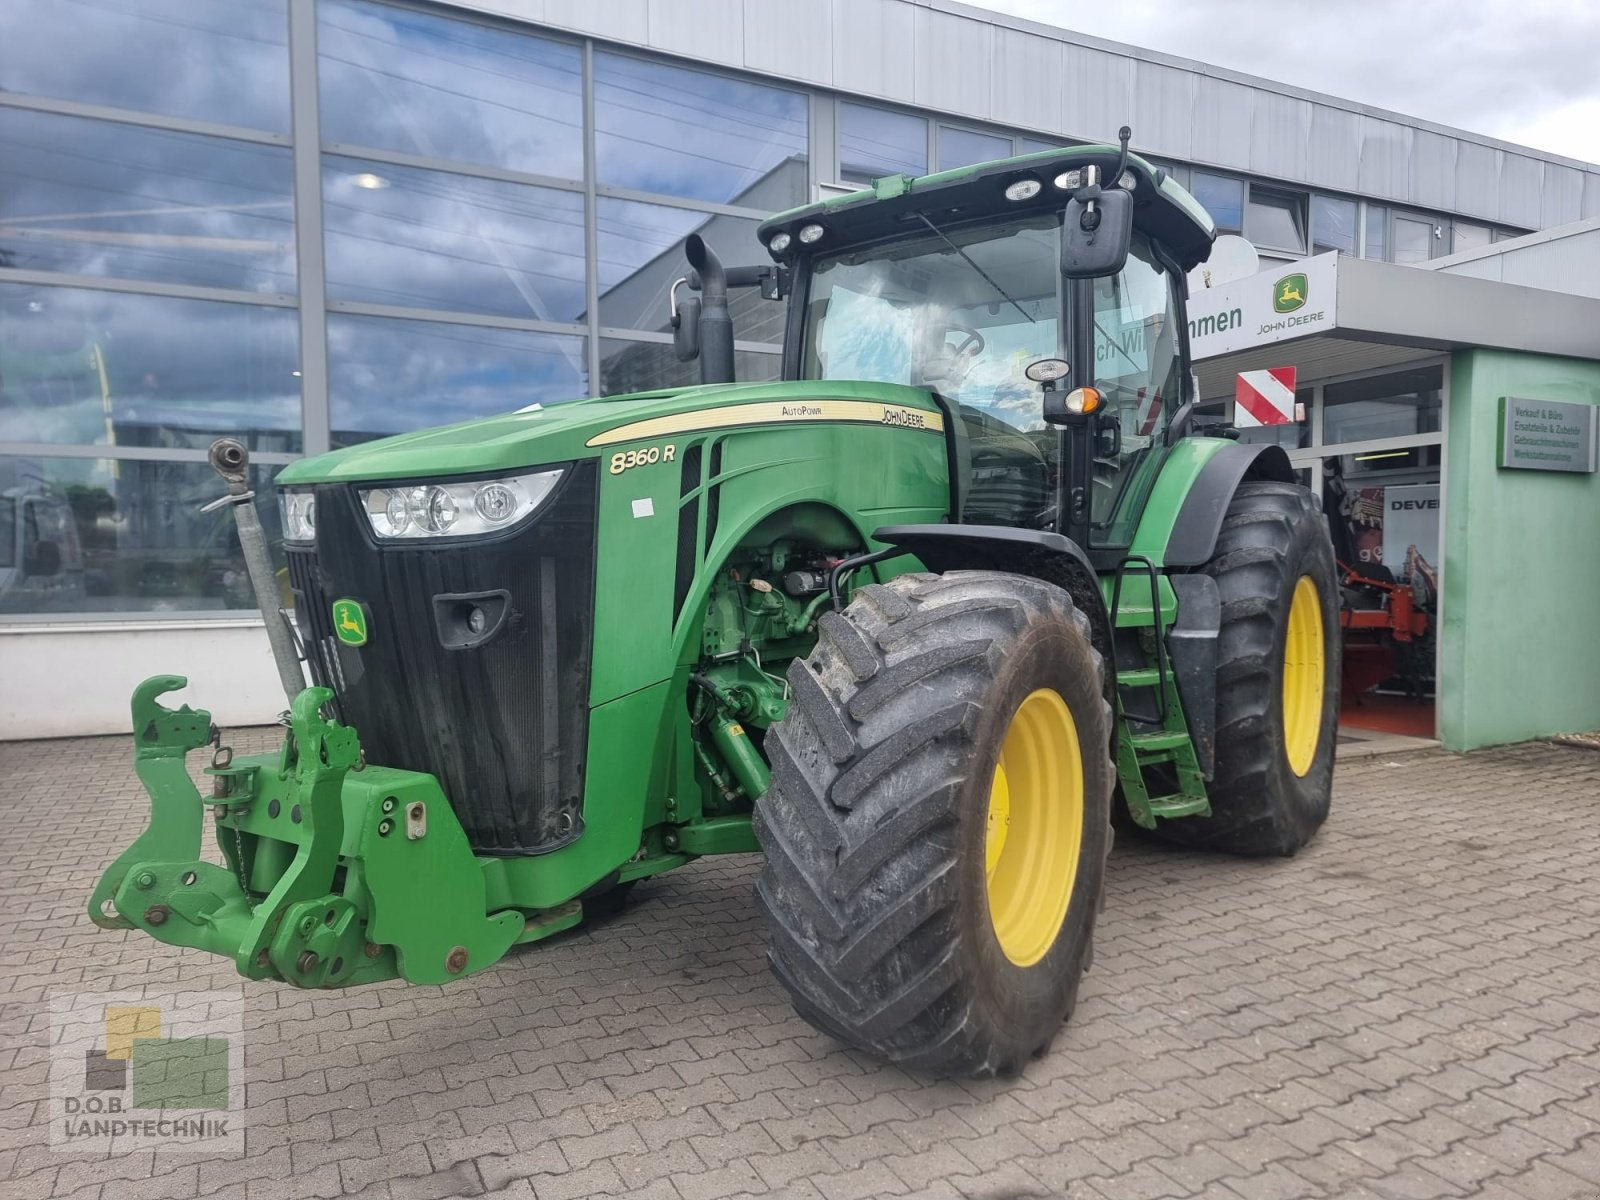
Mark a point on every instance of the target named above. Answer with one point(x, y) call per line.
point(335, 873)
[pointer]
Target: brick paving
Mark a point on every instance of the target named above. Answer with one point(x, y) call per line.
point(1410, 1008)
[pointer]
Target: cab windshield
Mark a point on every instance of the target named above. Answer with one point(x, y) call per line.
point(958, 311)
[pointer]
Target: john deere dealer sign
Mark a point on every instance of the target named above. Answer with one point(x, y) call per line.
point(1276, 305)
point(1546, 435)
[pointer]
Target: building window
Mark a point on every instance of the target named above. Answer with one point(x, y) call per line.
point(641, 254)
point(389, 376)
point(1222, 197)
point(664, 128)
point(1382, 406)
point(1276, 220)
point(874, 142)
point(113, 535)
point(432, 239)
point(629, 366)
point(92, 368)
point(103, 198)
point(1333, 225)
point(397, 79)
point(1029, 145)
point(225, 61)
point(963, 147)
point(1414, 239)
point(1377, 232)
point(1467, 236)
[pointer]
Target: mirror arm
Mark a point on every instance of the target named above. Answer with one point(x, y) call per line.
point(1180, 422)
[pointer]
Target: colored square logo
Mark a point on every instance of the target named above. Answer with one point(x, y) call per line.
point(189, 1073)
point(124, 1026)
point(103, 1074)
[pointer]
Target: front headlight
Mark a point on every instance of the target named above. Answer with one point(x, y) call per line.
point(456, 509)
point(299, 510)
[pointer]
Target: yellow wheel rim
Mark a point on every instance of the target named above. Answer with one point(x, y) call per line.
point(1303, 671)
point(1035, 827)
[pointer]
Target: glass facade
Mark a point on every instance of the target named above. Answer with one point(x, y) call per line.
point(309, 223)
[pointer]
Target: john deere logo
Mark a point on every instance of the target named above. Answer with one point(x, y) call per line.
point(350, 622)
point(1289, 293)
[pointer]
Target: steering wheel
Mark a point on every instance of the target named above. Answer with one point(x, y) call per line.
point(971, 344)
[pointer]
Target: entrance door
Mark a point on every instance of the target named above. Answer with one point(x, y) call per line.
point(1380, 461)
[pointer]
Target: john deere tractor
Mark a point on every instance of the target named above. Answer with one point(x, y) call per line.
point(911, 623)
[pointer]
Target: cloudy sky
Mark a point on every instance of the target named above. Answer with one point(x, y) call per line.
point(1526, 72)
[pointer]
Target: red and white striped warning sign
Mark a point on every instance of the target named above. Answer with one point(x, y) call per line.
point(1264, 397)
point(1149, 410)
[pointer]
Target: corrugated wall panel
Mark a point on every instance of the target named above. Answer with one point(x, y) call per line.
point(1433, 170)
point(621, 20)
point(872, 48)
point(1099, 97)
point(711, 29)
point(1478, 180)
point(1220, 133)
point(1334, 154)
point(954, 62)
point(1163, 109)
point(1561, 197)
point(1029, 81)
point(1280, 135)
point(1519, 190)
point(793, 39)
point(1591, 194)
point(1385, 158)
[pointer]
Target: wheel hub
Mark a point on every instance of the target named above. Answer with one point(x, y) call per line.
point(1304, 668)
point(1034, 828)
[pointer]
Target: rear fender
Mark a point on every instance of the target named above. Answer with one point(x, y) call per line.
point(1183, 518)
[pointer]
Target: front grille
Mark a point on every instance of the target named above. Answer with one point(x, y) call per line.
point(503, 726)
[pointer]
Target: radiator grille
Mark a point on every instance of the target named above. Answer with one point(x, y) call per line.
point(504, 726)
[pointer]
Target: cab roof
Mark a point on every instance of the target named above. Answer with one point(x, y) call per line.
point(1161, 207)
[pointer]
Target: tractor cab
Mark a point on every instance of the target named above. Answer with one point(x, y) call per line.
point(1040, 300)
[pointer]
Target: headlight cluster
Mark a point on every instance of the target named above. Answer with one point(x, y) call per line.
point(456, 509)
point(299, 511)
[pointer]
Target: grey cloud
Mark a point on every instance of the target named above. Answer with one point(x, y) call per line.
point(1487, 67)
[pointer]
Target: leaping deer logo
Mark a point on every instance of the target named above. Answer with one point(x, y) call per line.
point(1289, 293)
point(349, 624)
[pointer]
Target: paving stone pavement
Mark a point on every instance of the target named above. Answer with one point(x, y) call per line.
point(1409, 1009)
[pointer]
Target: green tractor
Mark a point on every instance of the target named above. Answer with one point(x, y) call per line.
point(911, 623)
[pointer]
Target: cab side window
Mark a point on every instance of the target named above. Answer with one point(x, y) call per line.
point(1138, 371)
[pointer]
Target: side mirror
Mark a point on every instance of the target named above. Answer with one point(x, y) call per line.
point(1096, 233)
point(685, 322)
point(1108, 435)
point(42, 558)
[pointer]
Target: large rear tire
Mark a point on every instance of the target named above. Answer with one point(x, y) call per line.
point(938, 821)
point(1277, 678)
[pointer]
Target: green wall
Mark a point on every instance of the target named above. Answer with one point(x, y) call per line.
point(1519, 653)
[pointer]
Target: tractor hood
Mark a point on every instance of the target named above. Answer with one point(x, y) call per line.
point(594, 427)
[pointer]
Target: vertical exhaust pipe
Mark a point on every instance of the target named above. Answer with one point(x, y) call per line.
point(716, 323)
point(230, 460)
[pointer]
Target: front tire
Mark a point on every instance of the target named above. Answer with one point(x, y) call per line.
point(937, 825)
point(1277, 678)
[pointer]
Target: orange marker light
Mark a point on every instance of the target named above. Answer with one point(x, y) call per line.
point(1082, 400)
